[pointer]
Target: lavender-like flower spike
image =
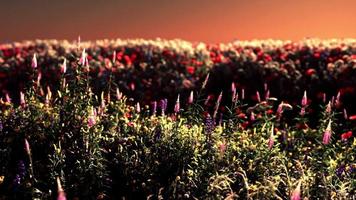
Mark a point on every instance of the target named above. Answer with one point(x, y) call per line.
point(205, 81)
point(34, 61)
point(217, 105)
point(209, 124)
point(327, 134)
point(191, 97)
point(92, 118)
point(177, 105)
point(154, 109)
point(296, 193)
point(304, 99)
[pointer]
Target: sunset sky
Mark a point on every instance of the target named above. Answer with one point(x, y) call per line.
point(194, 20)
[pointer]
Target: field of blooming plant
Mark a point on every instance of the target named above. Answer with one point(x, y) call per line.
point(168, 119)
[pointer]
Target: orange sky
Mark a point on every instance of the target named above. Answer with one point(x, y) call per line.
point(194, 20)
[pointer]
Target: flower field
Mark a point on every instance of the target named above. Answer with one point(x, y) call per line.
point(170, 119)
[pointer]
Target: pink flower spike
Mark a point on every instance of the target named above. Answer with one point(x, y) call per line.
point(267, 95)
point(64, 66)
point(252, 117)
point(296, 192)
point(327, 134)
point(138, 107)
point(39, 77)
point(27, 147)
point(118, 94)
point(177, 105)
point(205, 81)
point(114, 57)
point(60, 191)
point(191, 97)
point(302, 112)
point(265, 86)
point(258, 97)
point(83, 58)
point(271, 138)
point(34, 61)
point(22, 99)
point(324, 97)
point(7, 97)
point(242, 94)
point(280, 109)
point(328, 107)
point(345, 114)
point(92, 118)
point(304, 99)
point(217, 105)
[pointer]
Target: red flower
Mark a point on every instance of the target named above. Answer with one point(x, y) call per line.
point(310, 72)
point(270, 111)
point(346, 135)
point(190, 69)
point(353, 117)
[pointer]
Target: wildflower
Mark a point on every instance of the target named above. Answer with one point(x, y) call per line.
point(48, 96)
point(163, 105)
point(353, 117)
point(242, 94)
point(304, 99)
point(34, 61)
point(209, 124)
point(7, 97)
point(22, 99)
point(177, 105)
point(207, 100)
point(280, 109)
point(39, 77)
point(191, 97)
point(252, 117)
point(337, 101)
point(346, 135)
point(265, 86)
point(92, 118)
point(328, 108)
point(267, 95)
point(233, 89)
point(60, 192)
point(345, 114)
point(327, 134)
point(118, 94)
point(138, 107)
point(64, 66)
point(302, 112)
point(324, 97)
point(114, 57)
point(258, 96)
point(271, 138)
point(296, 192)
point(154, 109)
point(205, 81)
point(217, 105)
point(83, 58)
point(27, 147)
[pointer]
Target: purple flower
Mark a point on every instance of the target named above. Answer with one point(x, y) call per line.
point(209, 124)
point(327, 134)
point(163, 105)
point(154, 107)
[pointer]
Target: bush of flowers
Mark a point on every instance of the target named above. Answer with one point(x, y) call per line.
point(74, 124)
